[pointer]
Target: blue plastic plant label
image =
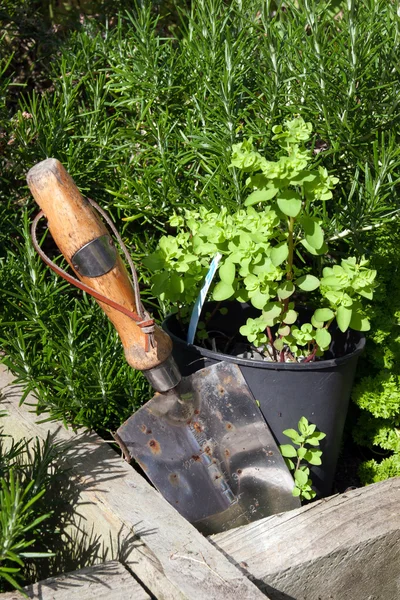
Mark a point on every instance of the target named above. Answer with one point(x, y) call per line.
point(198, 306)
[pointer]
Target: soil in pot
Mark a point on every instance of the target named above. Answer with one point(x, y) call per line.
point(318, 390)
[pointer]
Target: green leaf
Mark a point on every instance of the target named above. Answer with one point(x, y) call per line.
point(359, 323)
point(242, 295)
point(315, 438)
point(366, 293)
point(259, 300)
point(331, 281)
point(11, 580)
point(272, 311)
point(323, 338)
point(278, 344)
point(37, 554)
point(284, 331)
point(285, 290)
point(223, 291)
point(316, 324)
point(314, 251)
point(296, 491)
point(290, 317)
point(307, 283)
point(289, 463)
point(300, 477)
point(288, 451)
point(289, 202)
point(303, 425)
point(314, 457)
point(261, 195)
point(301, 452)
point(313, 232)
point(154, 261)
point(343, 317)
point(293, 435)
point(308, 494)
point(227, 272)
point(279, 254)
point(176, 285)
point(159, 283)
point(311, 428)
point(324, 314)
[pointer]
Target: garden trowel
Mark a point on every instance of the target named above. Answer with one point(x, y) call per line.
point(201, 440)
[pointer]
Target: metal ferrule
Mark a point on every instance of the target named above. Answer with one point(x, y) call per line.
point(164, 377)
point(95, 258)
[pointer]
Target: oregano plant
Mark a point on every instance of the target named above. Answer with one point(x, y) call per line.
point(307, 438)
point(274, 253)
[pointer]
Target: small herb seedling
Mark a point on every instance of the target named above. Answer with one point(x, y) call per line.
point(307, 438)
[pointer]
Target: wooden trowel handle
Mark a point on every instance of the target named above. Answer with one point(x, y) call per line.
point(73, 224)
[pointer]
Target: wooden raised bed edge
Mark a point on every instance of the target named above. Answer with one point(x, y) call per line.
point(346, 547)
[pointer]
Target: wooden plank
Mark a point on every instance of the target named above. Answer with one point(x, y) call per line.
point(345, 547)
point(171, 558)
point(100, 582)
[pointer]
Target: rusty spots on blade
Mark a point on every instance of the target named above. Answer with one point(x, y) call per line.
point(145, 430)
point(221, 390)
point(207, 450)
point(227, 452)
point(198, 427)
point(229, 426)
point(154, 446)
point(196, 411)
point(173, 478)
point(239, 471)
point(196, 457)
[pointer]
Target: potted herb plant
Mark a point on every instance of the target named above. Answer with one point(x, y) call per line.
point(282, 306)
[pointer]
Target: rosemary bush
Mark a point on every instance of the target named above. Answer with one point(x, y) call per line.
point(40, 533)
point(29, 508)
point(143, 109)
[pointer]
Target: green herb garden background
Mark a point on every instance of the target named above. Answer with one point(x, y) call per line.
point(142, 102)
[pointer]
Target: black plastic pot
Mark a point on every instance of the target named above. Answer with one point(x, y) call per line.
point(320, 390)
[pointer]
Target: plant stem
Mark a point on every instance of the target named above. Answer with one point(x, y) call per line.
point(271, 341)
point(311, 356)
point(289, 274)
point(299, 459)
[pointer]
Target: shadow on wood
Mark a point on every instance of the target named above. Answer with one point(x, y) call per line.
point(102, 582)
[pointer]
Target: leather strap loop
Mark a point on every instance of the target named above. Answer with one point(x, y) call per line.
point(144, 321)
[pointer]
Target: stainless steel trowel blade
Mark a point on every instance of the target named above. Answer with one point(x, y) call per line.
point(206, 447)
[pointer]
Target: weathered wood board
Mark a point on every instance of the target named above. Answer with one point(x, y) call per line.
point(346, 547)
point(169, 556)
point(107, 581)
